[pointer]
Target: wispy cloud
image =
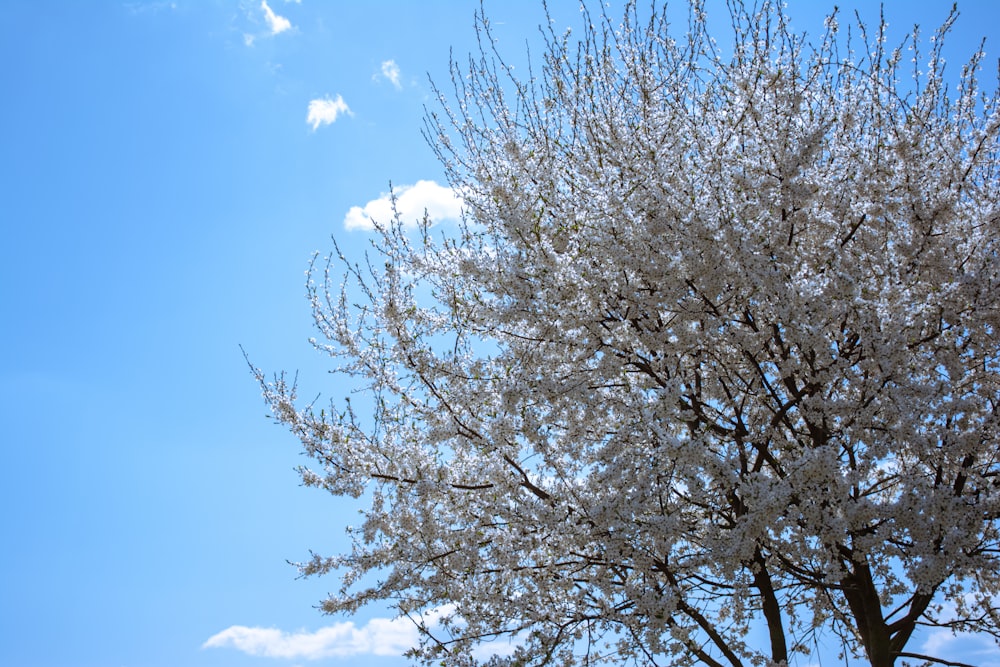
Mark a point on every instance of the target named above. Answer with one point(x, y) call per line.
point(275, 23)
point(439, 202)
point(380, 636)
point(390, 70)
point(325, 111)
point(136, 8)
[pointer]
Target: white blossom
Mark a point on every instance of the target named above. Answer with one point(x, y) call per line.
point(715, 347)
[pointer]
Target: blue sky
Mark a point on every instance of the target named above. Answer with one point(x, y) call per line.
point(167, 170)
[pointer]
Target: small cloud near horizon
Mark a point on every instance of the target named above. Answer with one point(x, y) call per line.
point(412, 201)
point(325, 111)
point(380, 636)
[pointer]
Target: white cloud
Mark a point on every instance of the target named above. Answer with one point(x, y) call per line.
point(277, 24)
point(390, 70)
point(977, 649)
point(380, 636)
point(411, 201)
point(325, 111)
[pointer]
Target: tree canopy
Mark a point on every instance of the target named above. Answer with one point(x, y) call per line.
point(708, 374)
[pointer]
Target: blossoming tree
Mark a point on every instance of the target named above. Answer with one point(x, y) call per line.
point(710, 371)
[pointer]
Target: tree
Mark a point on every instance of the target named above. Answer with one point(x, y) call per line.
point(708, 374)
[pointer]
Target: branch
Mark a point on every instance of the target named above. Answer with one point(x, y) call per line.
point(770, 606)
point(704, 623)
point(526, 481)
point(940, 661)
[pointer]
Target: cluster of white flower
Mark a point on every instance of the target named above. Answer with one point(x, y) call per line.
point(717, 344)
